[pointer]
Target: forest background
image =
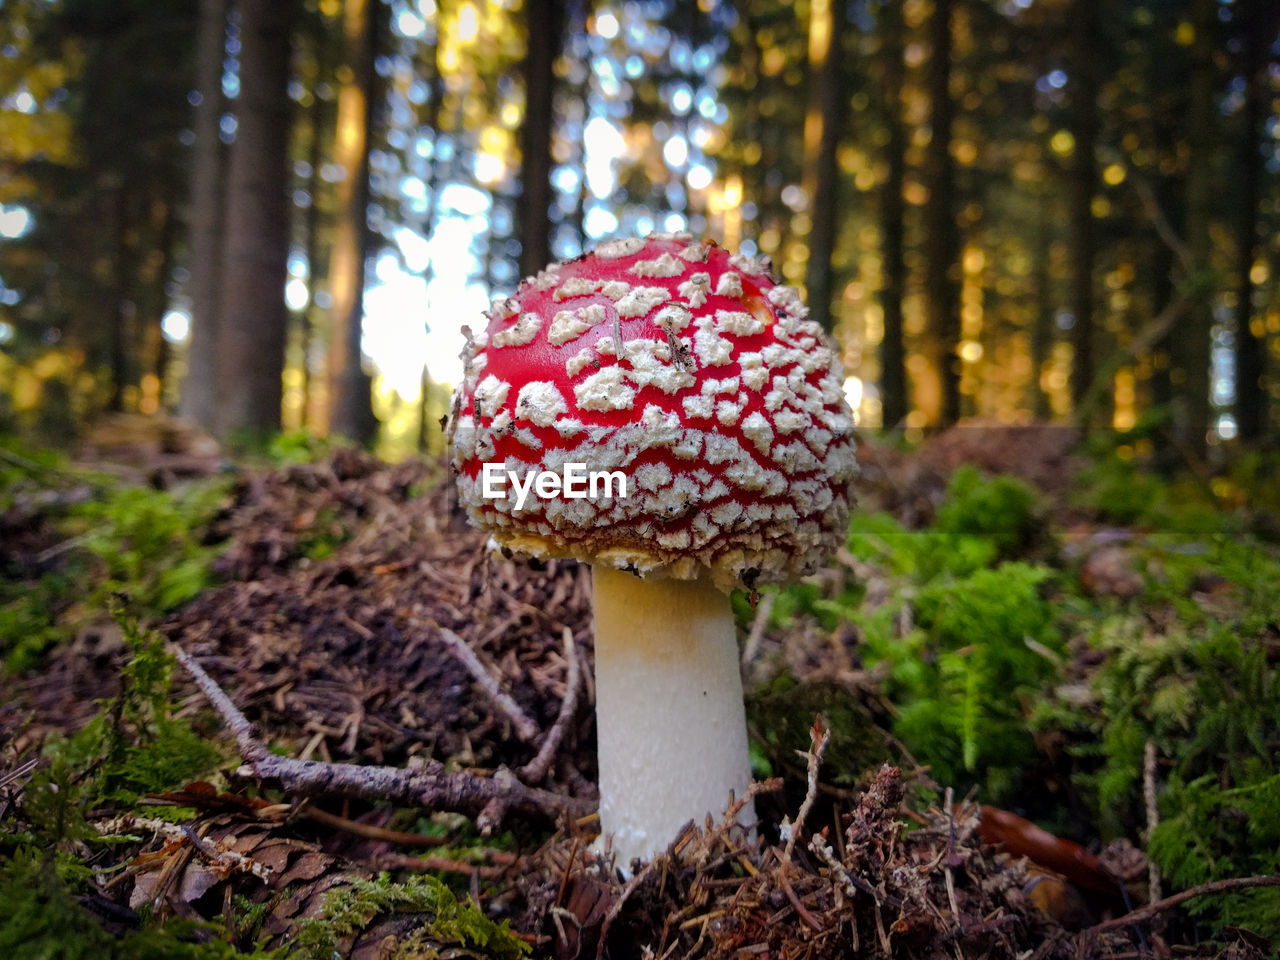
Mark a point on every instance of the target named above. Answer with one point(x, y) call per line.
point(281, 214)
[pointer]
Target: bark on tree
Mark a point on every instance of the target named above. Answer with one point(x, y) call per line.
point(122, 308)
point(545, 25)
point(427, 426)
point(1257, 26)
point(829, 111)
point(350, 399)
point(893, 354)
point(251, 332)
point(159, 353)
point(198, 401)
point(1042, 323)
point(942, 242)
point(1086, 40)
point(315, 222)
point(1191, 339)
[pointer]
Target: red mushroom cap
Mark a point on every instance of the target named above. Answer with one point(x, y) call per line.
point(726, 414)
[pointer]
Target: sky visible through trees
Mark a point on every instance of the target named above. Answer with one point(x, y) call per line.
point(1006, 209)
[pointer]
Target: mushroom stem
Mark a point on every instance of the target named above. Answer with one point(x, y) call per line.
point(669, 713)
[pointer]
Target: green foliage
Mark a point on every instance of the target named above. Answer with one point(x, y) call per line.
point(999, 509)
point(133, 746)
point(41, 920)
point(1212, 833)
point(1208, 700)
point(145, 543)
point(985, 648)
point(348, 911)
point(300, 446)
point(28, 618)
point(985, 638)
point(149, 544)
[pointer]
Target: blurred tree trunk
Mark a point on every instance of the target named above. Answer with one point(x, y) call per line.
point(1191, 339)
point(350, 388)
point(1170, 197)
point(1256, 27)
point(166, 236)
point(431, 120)
point(893, 354)
point(826, 64)
point(317, 250)
point(942, 235)
point(204, 244)
point(1042, 323)
point(545, 26)
point(1085, 49)
point(122, 308)
point(253, 317)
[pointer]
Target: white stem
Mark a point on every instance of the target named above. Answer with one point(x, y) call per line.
point(669, 713)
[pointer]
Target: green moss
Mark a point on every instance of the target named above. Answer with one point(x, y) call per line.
point(1211, 833)
point(998, 509)
point(447, 922)
point(40, 919)
point(146, 543)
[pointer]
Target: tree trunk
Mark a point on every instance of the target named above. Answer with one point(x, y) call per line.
point(122, 310)
point(254, 320)
point(828, 111)
point(428, 425)
point(1256, 26)
point(893, 354)
point(204, 244)
point(165, 238)
point(313, 223)
point(1191, 339)
point(1042, 322)
point(942, 243)
point(350, 399)
point(545, 23)
point(1086, 39)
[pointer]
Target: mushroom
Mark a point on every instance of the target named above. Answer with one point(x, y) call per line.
point(688, 372)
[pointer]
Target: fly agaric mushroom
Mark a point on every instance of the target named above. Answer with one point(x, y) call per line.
point(700, 380)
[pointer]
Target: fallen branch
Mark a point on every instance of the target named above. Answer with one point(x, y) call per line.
point(525, 728)
point(428, 786)
point(536, 769)
point(1168, 903)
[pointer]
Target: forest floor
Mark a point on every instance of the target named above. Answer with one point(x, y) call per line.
point(1031, 710)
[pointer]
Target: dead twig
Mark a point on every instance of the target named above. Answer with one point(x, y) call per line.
point(370, 832)
point(818, 745)
point(525, 728)
point(399, 861)
point(1168, 903)
point(763, 609)
point(536, 769)
point(1154, 891)
point(429, 786)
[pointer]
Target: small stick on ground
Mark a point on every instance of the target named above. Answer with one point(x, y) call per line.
point(763, 609)
point(1154, 891)
point(1168, 903)
point(525, 728)
point(429, 787)
point(818, 745)
point(536, 769)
